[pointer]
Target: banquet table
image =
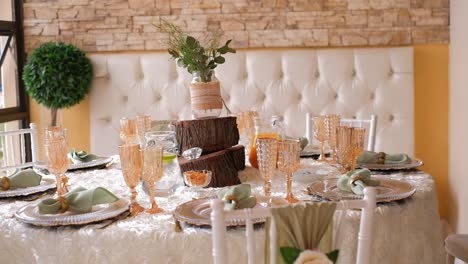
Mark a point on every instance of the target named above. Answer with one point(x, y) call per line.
point(406, 231)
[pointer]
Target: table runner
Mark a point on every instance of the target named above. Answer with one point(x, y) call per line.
point(405, 232)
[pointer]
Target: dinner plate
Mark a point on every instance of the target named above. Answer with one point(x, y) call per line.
point(197, 212)
point(78, 166)
point(46, 184)
point(415, 163)
point(30, 214)
point(388, 190)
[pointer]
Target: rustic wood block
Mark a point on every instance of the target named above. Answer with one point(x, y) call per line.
point(224, 164)
point(212, 134)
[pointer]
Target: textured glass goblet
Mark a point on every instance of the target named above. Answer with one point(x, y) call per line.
point(56, 150)
point(143, 125)
point(132, 168)
point(343, 146)
point(128, 129)
point(57, 163)
point(320, 133)
point(331, 122)
point(267, 152)
point(357, 144)
point(152, 173)
point(289, 152)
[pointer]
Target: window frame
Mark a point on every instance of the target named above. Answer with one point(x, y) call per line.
point(21, 111)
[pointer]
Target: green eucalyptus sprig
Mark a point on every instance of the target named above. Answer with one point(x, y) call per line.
point(189, 53)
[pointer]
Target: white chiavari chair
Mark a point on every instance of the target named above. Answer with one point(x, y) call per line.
point(369, 124)
point(11, 140)
point(219, 216)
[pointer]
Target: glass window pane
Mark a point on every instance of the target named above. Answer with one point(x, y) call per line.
point(8, 75)
point(6, 10)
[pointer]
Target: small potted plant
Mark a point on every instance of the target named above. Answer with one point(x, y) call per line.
point(58, 76)
point(200, 61)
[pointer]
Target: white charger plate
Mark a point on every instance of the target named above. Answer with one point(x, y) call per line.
point(197, 212)
point(29, 214)
point(46, 184)
point(388, 190)
point(415, 163)
point(78, 166)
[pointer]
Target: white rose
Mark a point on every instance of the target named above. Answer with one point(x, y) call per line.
point(312, 257)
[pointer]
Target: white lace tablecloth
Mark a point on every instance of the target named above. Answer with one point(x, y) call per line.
point(405, 232)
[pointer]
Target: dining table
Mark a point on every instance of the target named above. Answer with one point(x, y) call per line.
point(405, 231)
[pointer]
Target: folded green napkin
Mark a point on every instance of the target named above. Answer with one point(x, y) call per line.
point(237, 197)
point(355, 181)
point(23, 179)
point(80, 200)
point(303, 226)
point(81, 156)
point(370, 157)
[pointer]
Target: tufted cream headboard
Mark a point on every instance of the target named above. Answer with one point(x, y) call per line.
point(288, 82)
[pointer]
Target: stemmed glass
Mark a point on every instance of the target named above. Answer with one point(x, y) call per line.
point(128, 130)
point(357, 144)
point(320, 133)
point(289, 152)
point(57, 161)
point(143, 125)
point(132, 168)
point(152, 173)
point(267, 156)
point(331, 122)
point(343, 146)
point(245, 124)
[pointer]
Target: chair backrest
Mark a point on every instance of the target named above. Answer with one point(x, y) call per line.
point(219, 218)
point(11, 140)
point(369, 124)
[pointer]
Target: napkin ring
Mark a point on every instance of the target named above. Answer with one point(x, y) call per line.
point(5, 183)
point(231, 199)
point(63, 203)
point(355, 178)
point(381, 158)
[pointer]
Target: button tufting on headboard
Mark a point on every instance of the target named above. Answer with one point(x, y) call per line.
point(287, 82)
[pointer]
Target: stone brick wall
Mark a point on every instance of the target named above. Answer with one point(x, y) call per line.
point(112, 25)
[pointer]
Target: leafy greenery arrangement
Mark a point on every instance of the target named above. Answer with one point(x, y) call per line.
point(58, 75)
point(290, 254)
point(191, 54)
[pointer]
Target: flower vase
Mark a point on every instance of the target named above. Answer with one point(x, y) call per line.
point(205, 97)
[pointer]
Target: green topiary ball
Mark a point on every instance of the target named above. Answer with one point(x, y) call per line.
point(58, 75)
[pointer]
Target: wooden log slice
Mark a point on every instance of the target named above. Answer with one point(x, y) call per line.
point(212, 134)
point(224, 164)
